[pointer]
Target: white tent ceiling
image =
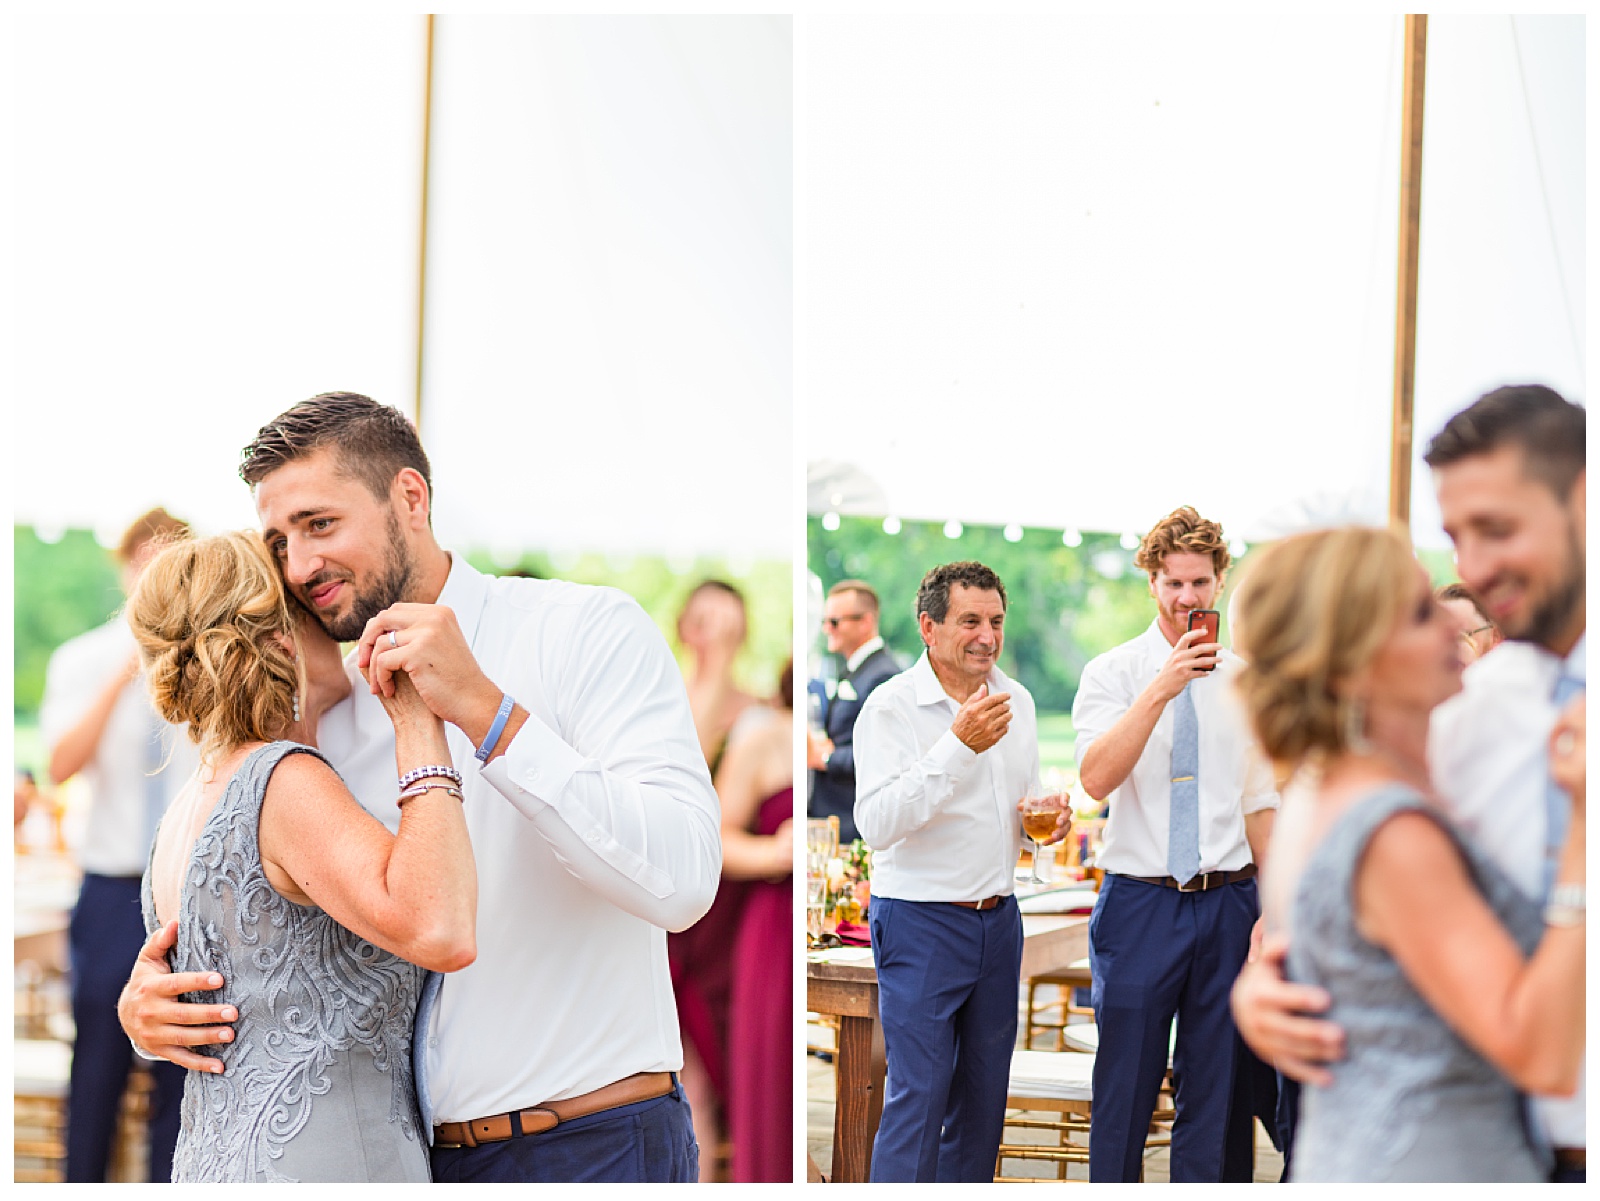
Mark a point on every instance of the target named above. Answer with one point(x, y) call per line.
point(1073, 272)
point(219, 216)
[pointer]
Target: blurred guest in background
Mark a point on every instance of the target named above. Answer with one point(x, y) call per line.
point(1479, 635)
point(712, 625)
point(97, 722)
point(756, 786)
point(1451, 991)
point(850, 621)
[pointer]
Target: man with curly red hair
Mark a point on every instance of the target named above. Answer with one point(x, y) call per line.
point(1163, 741)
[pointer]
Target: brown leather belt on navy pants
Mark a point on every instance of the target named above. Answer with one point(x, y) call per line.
point(1198, 883)
point(986, 903)
point(645, 1086)
point(1570, 1157)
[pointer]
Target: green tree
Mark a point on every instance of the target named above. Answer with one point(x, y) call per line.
point(60, 589)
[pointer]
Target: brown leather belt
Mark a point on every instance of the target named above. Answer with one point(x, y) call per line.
point(986, 903)
point(1569, 1157)
point(1198, 883)
point(643, 1087)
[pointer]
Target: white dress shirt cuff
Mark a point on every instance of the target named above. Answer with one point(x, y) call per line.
point(535, 768)
point(951, 756)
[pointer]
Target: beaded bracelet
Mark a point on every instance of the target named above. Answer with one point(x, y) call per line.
point(412, 793)
point(443, 770)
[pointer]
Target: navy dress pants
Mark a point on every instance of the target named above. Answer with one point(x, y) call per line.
point(103, 940)
point(648, 1142)
point(947, 998)
point(1156, 953)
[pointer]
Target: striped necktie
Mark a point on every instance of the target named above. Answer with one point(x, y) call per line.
point(1183, 816)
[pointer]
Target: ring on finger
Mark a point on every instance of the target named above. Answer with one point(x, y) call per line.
point(393, 641)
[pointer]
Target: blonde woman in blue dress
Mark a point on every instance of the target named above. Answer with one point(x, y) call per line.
point(269, 873)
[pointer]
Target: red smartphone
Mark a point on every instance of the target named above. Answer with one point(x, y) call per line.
point(1211, 621)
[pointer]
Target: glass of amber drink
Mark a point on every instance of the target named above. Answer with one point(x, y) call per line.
point(1039, 816)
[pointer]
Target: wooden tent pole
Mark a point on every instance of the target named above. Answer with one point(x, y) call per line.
point(1405, 340)
point(422, 250)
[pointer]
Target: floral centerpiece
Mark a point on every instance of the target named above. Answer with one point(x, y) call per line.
point(847, 891)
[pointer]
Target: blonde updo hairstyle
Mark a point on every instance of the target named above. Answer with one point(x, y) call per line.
point(207, 614)
point(1318, 607)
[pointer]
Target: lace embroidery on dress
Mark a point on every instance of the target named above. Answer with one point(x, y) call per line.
point(310, 995)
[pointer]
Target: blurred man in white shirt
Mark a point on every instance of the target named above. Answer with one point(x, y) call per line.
point(98, 724)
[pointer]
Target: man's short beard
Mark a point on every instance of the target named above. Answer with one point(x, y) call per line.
point(1552, 617)
point(392, 587)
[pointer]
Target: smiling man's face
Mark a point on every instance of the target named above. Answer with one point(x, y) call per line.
point(342, 551)
point(1518, 545)
point(967, 643)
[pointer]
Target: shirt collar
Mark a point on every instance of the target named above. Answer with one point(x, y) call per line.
point(1575, 666)
point(1155, 642)
point(466, 590)
point(930, 692)
point(866, 648)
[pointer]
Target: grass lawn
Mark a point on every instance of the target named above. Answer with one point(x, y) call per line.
point(1056, 741)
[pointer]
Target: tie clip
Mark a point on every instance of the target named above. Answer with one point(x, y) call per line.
point(1181, 779)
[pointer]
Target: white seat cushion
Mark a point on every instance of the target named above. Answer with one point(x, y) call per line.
point(1057, 1075)
point(1085, 1036)
point(39, 1067)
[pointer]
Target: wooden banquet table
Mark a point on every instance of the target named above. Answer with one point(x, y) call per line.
point(846, 986)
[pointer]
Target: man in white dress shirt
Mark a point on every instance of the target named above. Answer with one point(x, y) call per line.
point(594, 824)
point(1509, 471)
point(945, 751)
point(1162, 738)
point(98, 724)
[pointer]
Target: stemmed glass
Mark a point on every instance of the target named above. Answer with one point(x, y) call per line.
point(1039, 815)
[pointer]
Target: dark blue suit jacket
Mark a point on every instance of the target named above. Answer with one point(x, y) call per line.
point(834, 791)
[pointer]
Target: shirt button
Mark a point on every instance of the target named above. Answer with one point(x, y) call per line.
point(433, 1044)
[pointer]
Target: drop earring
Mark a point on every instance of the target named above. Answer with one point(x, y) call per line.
point(297, 706)
point(1356, 741)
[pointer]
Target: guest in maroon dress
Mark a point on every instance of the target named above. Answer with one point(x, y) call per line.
point(712, 627)
point(756, 786)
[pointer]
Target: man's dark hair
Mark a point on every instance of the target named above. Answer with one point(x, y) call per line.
point(374, 442)
point(1548, 428)
point(933, 594)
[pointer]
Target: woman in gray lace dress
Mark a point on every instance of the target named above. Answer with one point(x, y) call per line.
point(1452, 992)
point(319, 921)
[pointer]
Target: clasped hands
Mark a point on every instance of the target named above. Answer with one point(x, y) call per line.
point(429, 647)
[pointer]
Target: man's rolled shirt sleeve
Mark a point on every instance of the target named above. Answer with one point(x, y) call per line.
point(899, 789)
point(620, 790)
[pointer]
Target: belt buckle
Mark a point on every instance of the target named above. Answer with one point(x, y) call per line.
point(1191, 886)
